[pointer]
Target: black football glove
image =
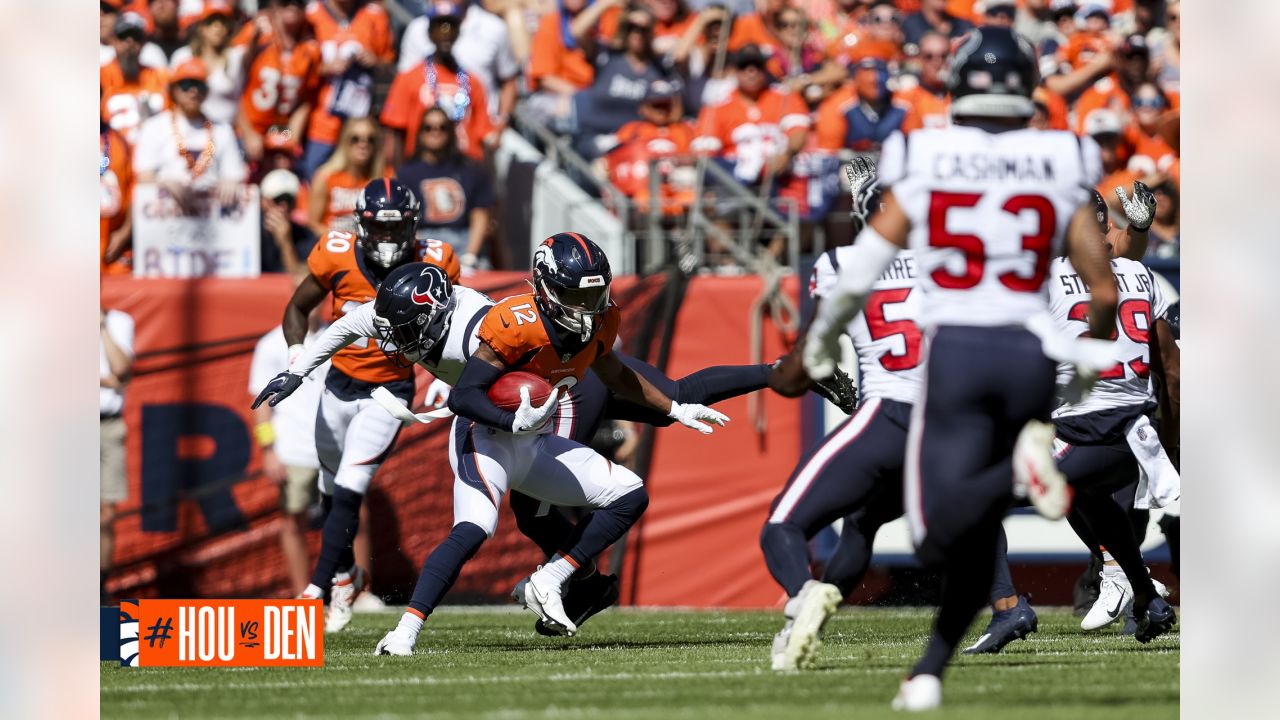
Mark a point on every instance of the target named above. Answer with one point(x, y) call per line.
point(280, 387)
point(839, 390)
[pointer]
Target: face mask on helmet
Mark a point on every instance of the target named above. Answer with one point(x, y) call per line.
point(385, 242)
point(576, 309)
point(408, 342)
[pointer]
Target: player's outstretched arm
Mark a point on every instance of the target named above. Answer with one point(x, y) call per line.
point(305, 299)
point(353, 325)
point(1089, 256)
point(630, 385)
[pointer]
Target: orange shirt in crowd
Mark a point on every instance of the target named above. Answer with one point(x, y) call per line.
point(751, 30)
point(343, 190)
point(549, 57)
point(850, 49)
point(411, 95)
point(279, 80)
point(639, 141)
point(1055, 105)
point(369, 28)
point(515, 330)
point(927, 110)
point(752, 132)
point(1083, 47)
point(126, 104)
point(115, 196)
point(1107, 93)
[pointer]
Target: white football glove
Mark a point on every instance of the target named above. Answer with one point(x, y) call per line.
point(821, 351)
point(1141, 210)
point(697, 416)
point(860, 171)
point(531, 418)
point(437, 393)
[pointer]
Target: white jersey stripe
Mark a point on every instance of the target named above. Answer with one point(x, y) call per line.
point(831, 447)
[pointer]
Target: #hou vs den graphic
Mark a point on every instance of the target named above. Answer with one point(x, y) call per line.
point(215, 633)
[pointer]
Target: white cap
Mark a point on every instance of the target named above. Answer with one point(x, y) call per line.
point(280, 182)
point(1102, 121)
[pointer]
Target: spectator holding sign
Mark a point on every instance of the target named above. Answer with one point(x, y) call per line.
point(182, 150)
point(456, 192)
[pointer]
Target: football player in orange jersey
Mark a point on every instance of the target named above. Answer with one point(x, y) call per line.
point(566, 326)
point(353, 434)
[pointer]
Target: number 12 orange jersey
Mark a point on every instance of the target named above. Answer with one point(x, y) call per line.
point(518, 334)
point(340, 266)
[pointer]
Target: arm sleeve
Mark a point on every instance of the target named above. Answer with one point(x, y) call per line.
point(356, 324)
point(470, 396)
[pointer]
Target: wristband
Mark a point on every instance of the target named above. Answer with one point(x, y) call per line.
point(265, 433)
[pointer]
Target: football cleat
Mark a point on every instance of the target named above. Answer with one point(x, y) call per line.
point(1156, 621)
point(922, 692)
point(545, 602)
point(839, 390)
point(1131, 624)
point(584, 598)
point(815, 604)
point(341, 596)
point(1006, 626)
point(1115, 596)
point(397, 642)
point(1036, 477)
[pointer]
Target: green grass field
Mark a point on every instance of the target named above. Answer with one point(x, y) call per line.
point(669, 665)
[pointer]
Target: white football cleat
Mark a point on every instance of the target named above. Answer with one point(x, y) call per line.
point(341, 597)
point(922, 692)
point(545, 599)
point(398, 641)
point(1115, 595)
point(1035, 475)
point(817, 602)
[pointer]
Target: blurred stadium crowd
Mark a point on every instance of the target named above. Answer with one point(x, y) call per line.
point(310, 100)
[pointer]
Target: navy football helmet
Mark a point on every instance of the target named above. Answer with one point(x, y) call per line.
point(571, 279)
point(386, 218)
point(993, 74)
point(412, 311)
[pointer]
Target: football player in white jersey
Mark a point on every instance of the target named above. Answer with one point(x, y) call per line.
point(985, 205)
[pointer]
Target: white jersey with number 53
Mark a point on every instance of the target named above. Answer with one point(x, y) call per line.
point(1139, 306)
point(885, 334)
point(988, 212)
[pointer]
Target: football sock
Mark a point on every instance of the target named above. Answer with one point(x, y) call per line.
point(786, 554)
point(444, 563)
point(965, 590)
point(606, 525)
point(1002, 583)
point(411, 621)
point(336, 536)
point(721, 382)
point(559, 569)
point(312, 591)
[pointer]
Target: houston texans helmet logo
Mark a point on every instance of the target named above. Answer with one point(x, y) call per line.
point(433, 290)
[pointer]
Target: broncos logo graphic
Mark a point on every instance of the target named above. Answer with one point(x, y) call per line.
point(435, 291)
